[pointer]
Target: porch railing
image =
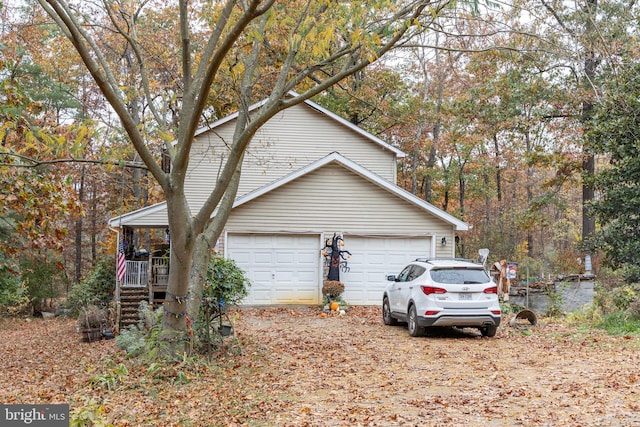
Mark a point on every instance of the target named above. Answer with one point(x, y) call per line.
point(137, 274)
point(159, 271)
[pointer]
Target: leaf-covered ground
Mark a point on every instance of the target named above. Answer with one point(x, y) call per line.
point(290, 367)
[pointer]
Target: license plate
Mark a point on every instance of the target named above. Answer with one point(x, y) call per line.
point(465, 297)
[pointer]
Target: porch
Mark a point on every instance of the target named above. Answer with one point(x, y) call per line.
point(144, 280)
point(152, 274)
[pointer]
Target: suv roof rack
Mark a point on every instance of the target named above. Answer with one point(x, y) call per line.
point(428, 260)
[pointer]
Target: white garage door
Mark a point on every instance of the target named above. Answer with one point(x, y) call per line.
point(283, 268)
point(372, 259)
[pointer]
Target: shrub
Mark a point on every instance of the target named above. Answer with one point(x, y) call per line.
point(633, 311)
point(623, 296)
point(226, 282)
point(225, 286)
point(97, 289)
point(91, 317)
point(566, 261)
point(43, 277)
point(509, 308)
point(13, 295)
point(630, 273)
point(332, 289)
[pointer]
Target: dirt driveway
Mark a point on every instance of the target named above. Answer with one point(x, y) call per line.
point(298, 369)
point(353, 370)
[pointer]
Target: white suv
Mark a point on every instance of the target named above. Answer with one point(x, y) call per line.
point(442, 292)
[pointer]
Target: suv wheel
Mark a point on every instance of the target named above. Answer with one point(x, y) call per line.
point(412, 323)
point(386, 313)
point(489, 331)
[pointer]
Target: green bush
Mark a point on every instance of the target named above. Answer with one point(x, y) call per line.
point(630, 273)
point(225, 286)
point(97, 289)
point(13, 295)
point(43, 278)
point(617, 305)
point(507, 307)
point(633, 311)
point(226, 283)
point(623, 296)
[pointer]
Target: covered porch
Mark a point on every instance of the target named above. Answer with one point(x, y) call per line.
point(146, 246)
point(151, 275)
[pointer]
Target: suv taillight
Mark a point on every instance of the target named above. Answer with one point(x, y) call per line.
point(428, 290)
point(491, 290)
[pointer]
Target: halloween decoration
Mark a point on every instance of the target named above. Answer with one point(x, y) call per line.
point(335, 257)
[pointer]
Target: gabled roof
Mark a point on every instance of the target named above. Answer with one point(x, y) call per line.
point(159, 209)
point(331, 115)
point(142, 217)
point(364, 173)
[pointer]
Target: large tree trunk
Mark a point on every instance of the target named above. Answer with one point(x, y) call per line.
point(189, 258)
point(431, 160)
point(94, 221)
point(498, 169)
point(79, 225)
point(588, 164)
point(415, 155)
point(462, 184)
point(197, 278)
point(529, 191)
point(204, 246)
point(174, 336)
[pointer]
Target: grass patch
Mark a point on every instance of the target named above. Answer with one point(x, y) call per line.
point(619, 324)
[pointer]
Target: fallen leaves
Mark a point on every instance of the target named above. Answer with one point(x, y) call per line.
point(298, 369)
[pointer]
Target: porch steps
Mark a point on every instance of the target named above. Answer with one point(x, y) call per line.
point(129, 304)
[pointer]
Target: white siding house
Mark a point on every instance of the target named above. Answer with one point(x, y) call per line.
point(309, 174)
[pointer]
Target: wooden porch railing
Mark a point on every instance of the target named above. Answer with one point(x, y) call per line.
point(159, 271)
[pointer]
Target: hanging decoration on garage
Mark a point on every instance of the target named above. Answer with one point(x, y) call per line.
point(335, 257)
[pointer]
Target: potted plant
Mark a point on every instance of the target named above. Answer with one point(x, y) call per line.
point(91, 321)
point(332, 291)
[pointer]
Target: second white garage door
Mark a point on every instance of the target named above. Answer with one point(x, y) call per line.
point(283, 268)
point(373, 258)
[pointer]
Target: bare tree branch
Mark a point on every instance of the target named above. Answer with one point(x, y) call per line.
point(31, 162)
point(85, 45)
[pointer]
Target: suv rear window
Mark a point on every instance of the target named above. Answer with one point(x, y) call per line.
point(460, 275)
